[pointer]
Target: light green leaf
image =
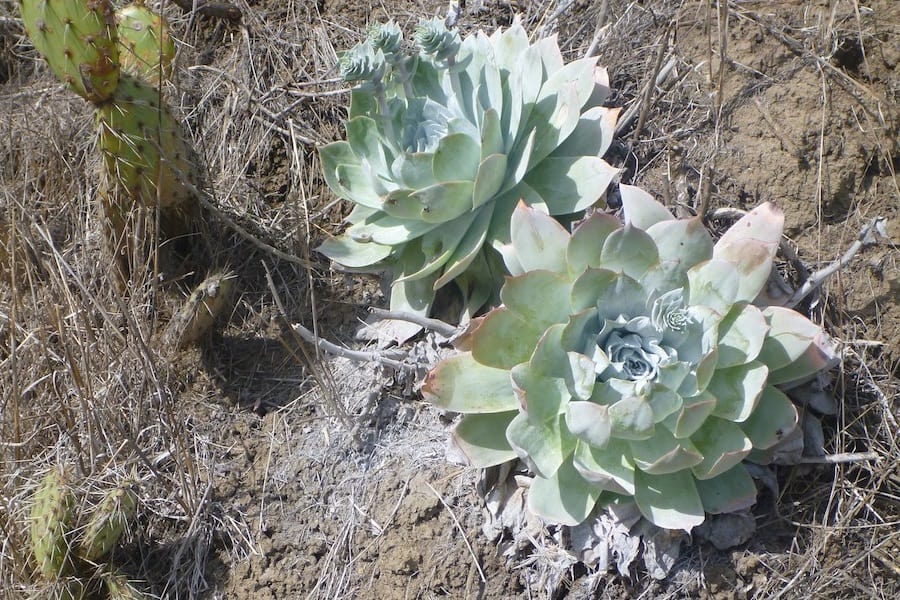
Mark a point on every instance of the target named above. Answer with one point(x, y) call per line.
point(713, 284)
point(481, 440)
point(580, 376)
point(669, 501)
point(571, 184)
point(553, 118)
point(589, 422)
point(456, 158)
point(682, 243)
point(543, 446)
point(741, 335)
point(664, 402)
point(662, 453)
point(630, 251)
point(354, 255)
point(540, 297)
point(774, 418)
point(462, 384)
point(549, 358)
point(565, 498)
point(414, 169)
point(722, 444)
point(438, 245)
point(693, 414)
point(542, 398)
point(504, 339)
point(382, 228)
point(587, 241)
point(609, 468)
point(730, 492)
point(592, 134)
point(509, 45)
point(624, 296)
point(793, 337)
point(445, 201)
point(365, 141)
point(737, 390)
point(631, 418)
point(591, 287)
point(491, 135)
point(641, 209)
point(750, 246)
point(489, 179)
point(400, 205)
point(467, 249)
point(538, 240)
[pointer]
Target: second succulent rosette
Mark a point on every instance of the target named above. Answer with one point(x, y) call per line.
point(629, 360)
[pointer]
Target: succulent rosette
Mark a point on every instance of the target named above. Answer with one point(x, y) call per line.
point(441, 146)
point(629, 359)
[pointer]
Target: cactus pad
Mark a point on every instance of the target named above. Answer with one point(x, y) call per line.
point(51, 521)
point(143, 145)
point(108, 521)
point(146, 49)
point(78, 40)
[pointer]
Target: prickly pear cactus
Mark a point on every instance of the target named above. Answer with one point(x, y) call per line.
point(147, 50)
point(143, 145)
point(108, 522)
point(52, 517)
point(78, 40)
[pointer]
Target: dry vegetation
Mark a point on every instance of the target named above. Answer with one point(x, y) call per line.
point(269, 471)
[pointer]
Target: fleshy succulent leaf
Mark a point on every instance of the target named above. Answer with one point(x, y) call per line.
point(722, 444)
point(476, 439)
point(609, 467)
point(463, 385)
point(737, 390)
point(750, 245)
point(586, 244)
point(541, 398)
point(774, 418)
point(563, 498)
point(543, 446)
point(741, 335)
point(669, 501)
point(630, 251)
point(504, 339)
point(539, 241)
point(731, 491)
point(641, 209)
point(589, 421)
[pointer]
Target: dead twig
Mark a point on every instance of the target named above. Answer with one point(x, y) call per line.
point(384, 358)
point(436, 325)
point(815, 281)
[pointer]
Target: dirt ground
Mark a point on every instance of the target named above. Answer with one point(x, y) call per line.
point(274, 472)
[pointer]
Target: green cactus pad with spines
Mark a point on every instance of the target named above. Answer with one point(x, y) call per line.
point(108, 522)
point(52, 514)
point(78, 40)
point(143, 145)
point(146, 49)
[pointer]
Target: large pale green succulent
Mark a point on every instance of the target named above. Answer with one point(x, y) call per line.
point(442, 145)
point(629, 359)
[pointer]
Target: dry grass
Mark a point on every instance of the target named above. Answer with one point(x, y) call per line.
point(85, 381)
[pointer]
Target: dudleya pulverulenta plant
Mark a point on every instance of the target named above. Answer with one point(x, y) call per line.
point(442, 145)
point(630, 360)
